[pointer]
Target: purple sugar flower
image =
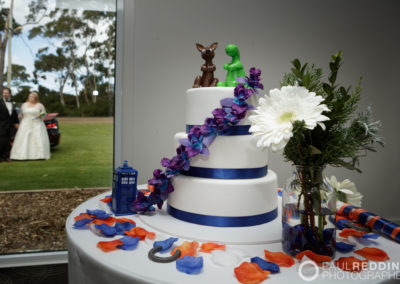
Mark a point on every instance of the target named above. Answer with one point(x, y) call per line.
point(196, 143)
point(219, 119)
point(242, 93)
point(254, 79)
point(142, 204)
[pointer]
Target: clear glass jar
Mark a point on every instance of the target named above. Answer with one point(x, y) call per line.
point(308, 213)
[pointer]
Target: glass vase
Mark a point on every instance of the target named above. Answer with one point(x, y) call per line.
point(308, 213)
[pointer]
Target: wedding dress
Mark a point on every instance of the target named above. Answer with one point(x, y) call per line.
point(31, 141)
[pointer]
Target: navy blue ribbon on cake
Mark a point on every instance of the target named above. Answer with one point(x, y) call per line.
point(226, 173)
point(231, 131)
point(222, 221)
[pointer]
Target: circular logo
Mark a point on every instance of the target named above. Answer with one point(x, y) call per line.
point(306, 272)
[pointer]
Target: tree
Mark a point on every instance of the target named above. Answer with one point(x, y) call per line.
point(19, 75)
point(5, 29)
point(56, 63)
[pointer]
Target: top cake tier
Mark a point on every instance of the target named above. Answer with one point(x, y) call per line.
point(200, 102)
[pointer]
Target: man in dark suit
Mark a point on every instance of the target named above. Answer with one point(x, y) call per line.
point(8, 124)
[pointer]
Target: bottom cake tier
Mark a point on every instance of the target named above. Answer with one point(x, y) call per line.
point(224, 202)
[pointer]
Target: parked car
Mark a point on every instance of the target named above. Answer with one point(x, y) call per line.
point(53, 129)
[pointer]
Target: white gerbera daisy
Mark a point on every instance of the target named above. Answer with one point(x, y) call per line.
point(349, 189)
point(272, 121)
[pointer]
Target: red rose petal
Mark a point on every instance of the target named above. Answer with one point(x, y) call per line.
point(109, 221)
point(351, 263)
point(123, 220)
point(345, 233)
point(317, 258)
point(109, 246)
point(374, 254)
point(187, 248)
point(208, 247)
point(106, 199)
point(280, 258)
point(83, 216)
point(140, 232)
point(250, 273)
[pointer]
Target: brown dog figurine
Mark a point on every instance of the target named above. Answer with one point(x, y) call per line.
point(208, 68)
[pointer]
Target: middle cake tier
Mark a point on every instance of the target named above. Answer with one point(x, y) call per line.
point(231, 152)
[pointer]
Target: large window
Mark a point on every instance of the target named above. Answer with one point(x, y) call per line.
point(63, 50)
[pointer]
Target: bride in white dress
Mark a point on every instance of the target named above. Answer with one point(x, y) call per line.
point(31, 141)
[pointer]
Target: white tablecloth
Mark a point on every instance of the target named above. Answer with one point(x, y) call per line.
point(88, 264)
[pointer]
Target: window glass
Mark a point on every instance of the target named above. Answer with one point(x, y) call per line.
point(58, 58)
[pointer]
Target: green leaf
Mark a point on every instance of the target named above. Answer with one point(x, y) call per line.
point(314, 150)
point(296, 63)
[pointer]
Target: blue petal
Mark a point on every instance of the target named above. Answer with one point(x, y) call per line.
point(130, 243)
point(166, 244)
point(265, 265)
point(100, 214)
point(82, 223)
point(341, 223)
point(190, 264)
point(106, 230)
point(344, 247)
point(370, 236)
point(121, 227)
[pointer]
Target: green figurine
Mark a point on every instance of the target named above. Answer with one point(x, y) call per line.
point(235, 68)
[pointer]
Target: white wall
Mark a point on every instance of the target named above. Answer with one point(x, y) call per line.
point(160, 62)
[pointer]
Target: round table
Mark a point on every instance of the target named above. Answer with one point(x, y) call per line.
point(88, 264)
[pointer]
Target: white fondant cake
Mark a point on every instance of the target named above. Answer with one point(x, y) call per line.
point(232, 187)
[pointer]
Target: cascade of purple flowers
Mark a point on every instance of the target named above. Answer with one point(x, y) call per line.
point(232, 111)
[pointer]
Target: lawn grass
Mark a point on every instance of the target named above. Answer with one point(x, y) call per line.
point(83, 159)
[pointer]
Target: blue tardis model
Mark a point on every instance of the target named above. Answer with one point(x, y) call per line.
point(124, 189)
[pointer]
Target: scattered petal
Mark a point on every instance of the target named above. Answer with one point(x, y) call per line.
point(81, 223)
point(265, 265)
point(250, 273)
point(208, 247)
point(129, 243)
point(225, 258)
point(317, 258)
point(190, 264)
point(166, 244)
point(345, 233)
point(106, 199)
point(108, 221)
point(187, 248)
point(82, 216)
point(280, 258)
point(109, 246)
point(140, 232)
point(122, 227)
point(123, 220)
point(98, 214)
point(105, 230)
point(373, 254)
point(351, 264)
point(344, 247)
point(370, 236)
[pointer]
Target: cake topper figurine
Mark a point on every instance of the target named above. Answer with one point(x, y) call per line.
point(208, 68)
point(235, 68)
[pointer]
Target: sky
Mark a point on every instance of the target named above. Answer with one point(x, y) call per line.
point(24, 50)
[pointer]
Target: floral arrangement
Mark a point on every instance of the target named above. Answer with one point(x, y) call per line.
point(346, 191)
point(314, 122)
point(231, 112)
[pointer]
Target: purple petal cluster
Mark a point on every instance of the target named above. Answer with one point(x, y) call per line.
point(196, 143)
point(253, 81)
point(232, 111)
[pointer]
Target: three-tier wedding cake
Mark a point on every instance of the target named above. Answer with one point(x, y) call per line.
point(232, 186)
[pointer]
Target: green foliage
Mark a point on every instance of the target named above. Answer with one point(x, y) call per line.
point(347, 137)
